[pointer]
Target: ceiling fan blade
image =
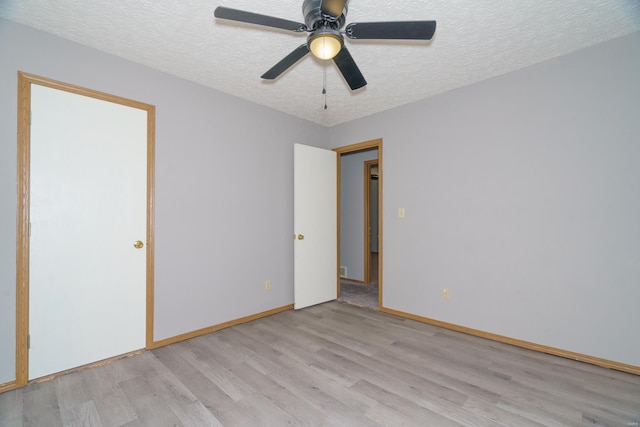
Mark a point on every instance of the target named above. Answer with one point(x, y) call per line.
point(349, 69)
point(255, 18)
point(333, 7)
point(286, 62)
point(400, 30)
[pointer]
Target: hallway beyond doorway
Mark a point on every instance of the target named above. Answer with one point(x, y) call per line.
point(362, 294)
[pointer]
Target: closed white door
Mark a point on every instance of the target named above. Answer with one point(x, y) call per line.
point(315, 226)
point(87, 281)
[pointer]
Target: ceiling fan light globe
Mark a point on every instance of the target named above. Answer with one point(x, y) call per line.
point(325, 45)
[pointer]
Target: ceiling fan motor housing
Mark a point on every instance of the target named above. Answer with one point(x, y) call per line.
point(314, 18)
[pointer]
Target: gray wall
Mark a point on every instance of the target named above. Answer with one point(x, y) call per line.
point(522, 195)
point(224, 169)
point(352, 211)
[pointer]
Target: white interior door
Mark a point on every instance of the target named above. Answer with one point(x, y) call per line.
point(315, 226)
point(87, 282)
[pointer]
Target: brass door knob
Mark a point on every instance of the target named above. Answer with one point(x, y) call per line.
point(138, 244)
point(300, 236)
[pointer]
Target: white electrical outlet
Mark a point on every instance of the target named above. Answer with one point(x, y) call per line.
point(445, 293)
point(267, 285)
point(400, 212)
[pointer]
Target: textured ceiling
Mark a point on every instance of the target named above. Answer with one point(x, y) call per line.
point(473, 41)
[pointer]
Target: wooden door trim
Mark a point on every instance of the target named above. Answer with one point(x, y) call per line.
point(22, 238)
point(25, 81)
point(362, 146)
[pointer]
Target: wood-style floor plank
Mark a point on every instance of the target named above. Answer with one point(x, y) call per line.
point(331, 365)
point(104, 390)
point(11, 409)
point(40, 405)
point(71, 391)
point(150, 408)
point(82, 414)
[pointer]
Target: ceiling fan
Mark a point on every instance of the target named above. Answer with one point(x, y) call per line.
point(323, 21)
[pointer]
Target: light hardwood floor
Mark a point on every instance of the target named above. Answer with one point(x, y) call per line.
point(332, 365)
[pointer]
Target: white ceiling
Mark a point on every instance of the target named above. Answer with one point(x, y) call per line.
point(474, 40)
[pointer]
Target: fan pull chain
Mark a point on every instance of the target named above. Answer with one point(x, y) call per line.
point(324, 83)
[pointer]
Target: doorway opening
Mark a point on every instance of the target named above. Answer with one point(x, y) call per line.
point(360, 224)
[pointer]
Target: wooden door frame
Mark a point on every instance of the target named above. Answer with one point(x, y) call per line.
point(368, 165)
point(25, 81)
point(363, 146)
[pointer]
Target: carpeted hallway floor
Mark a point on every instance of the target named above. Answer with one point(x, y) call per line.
point(362, 294)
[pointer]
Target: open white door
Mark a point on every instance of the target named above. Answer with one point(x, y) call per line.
point(315, 226)
point(87, 281)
